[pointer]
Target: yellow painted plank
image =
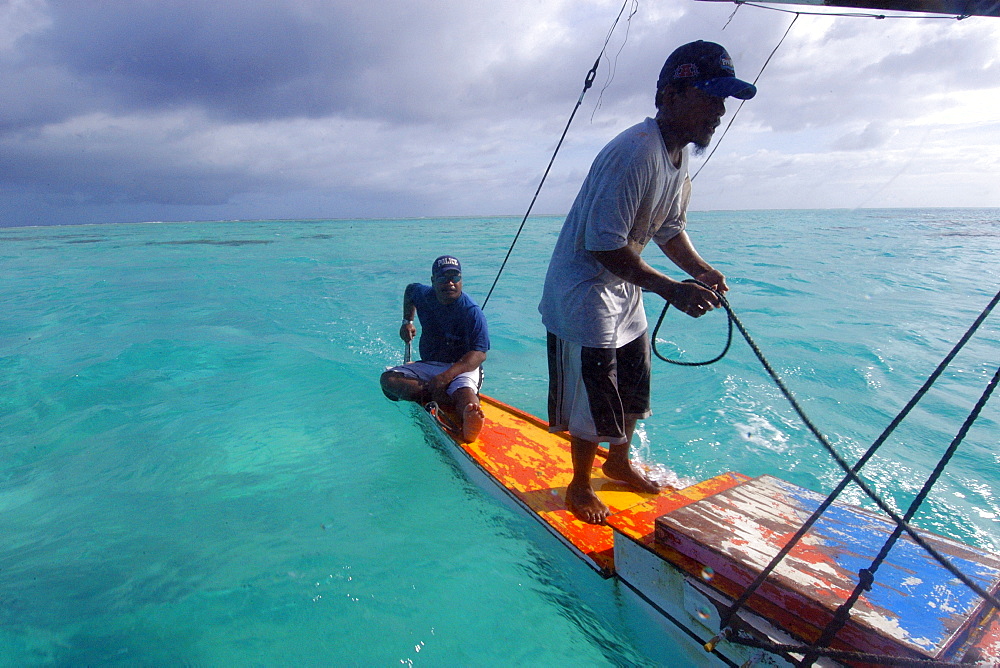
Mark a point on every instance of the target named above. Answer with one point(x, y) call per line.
point(534, 465)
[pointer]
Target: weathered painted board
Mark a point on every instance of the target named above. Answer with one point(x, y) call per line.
point(915, 608)
point(533, 465)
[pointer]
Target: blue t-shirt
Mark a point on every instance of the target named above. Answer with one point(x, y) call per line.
point(448, 331)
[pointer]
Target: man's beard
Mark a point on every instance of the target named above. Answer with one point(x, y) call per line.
point(701, 147)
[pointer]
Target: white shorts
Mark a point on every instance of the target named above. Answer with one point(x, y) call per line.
point(426, 370)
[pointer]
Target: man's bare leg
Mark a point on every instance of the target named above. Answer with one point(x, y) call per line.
point(468, 408)
point(619, 467)
point(581, 499)
point(403, 387)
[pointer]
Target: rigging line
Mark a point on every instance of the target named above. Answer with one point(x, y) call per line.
point(867, 575)
point(588, 82)
point(853, 15)
point(742, 102)
point(852, 472)
point(614, 63)
point(843, 656)
point(733, 15)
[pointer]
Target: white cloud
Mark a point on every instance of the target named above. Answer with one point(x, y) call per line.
point(873, 135)
point(19, 18)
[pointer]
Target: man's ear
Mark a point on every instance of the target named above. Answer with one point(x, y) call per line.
point(666, 96)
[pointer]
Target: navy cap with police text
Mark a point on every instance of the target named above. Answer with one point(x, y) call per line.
point(444, 264)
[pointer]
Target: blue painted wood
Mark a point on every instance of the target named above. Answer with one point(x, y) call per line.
point(915, 606)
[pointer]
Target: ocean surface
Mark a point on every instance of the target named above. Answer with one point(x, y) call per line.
point(199, 468)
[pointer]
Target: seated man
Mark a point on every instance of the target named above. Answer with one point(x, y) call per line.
point(453, 347)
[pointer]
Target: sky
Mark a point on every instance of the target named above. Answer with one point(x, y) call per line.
point(288, 109)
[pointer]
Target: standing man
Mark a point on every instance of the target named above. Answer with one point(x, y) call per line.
point(453, 347)
point(637, 190)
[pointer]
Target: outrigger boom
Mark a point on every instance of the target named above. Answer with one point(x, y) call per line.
point(961, 8)
point(687, 554)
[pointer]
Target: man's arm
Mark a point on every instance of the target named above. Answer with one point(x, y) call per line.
point(681, 252)
point(627, 264)
point(470, 361)
point(406, 330)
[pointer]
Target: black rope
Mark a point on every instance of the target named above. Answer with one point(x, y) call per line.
point(867, 575)
point(742, 102)
point(852, 472)
point(588, 82)
point(725, 349)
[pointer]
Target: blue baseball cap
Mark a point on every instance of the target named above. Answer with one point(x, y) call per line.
point(708, 67)
point(444, 264)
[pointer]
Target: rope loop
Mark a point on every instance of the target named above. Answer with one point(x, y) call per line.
point(729, 334)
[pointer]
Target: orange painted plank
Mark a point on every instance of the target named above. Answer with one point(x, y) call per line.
point(984, 645)
point(533, 464)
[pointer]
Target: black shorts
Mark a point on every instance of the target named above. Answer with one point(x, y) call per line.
point(593, 391)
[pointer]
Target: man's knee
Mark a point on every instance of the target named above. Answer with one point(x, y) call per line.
point(390, 381)
point(388, 389)
point(403, 387)
point(464, 396)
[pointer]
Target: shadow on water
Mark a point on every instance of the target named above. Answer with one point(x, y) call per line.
point(211, 242)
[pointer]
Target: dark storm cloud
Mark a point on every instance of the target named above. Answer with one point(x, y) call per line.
point(257, 60)
point(166, 109)
point(126, 102)
point(246, 60)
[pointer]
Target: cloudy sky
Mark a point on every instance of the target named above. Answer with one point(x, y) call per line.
point(260, 109)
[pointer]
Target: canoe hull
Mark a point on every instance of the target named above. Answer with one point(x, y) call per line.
point(680, 558)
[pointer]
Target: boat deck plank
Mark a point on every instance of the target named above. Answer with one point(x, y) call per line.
point(534, 465)
point(724, 530)
point(915, 606)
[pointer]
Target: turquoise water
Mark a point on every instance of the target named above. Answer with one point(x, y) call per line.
point(199, 467)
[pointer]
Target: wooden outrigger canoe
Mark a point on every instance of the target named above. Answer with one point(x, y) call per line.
point(686, 554)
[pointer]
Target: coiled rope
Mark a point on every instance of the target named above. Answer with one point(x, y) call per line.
point(729, 335)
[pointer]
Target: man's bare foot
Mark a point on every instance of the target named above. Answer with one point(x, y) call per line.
point(472, 422)
point(582, 501)
point(631, 476)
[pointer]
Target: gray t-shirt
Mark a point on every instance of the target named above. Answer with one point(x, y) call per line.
point(632, 194)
